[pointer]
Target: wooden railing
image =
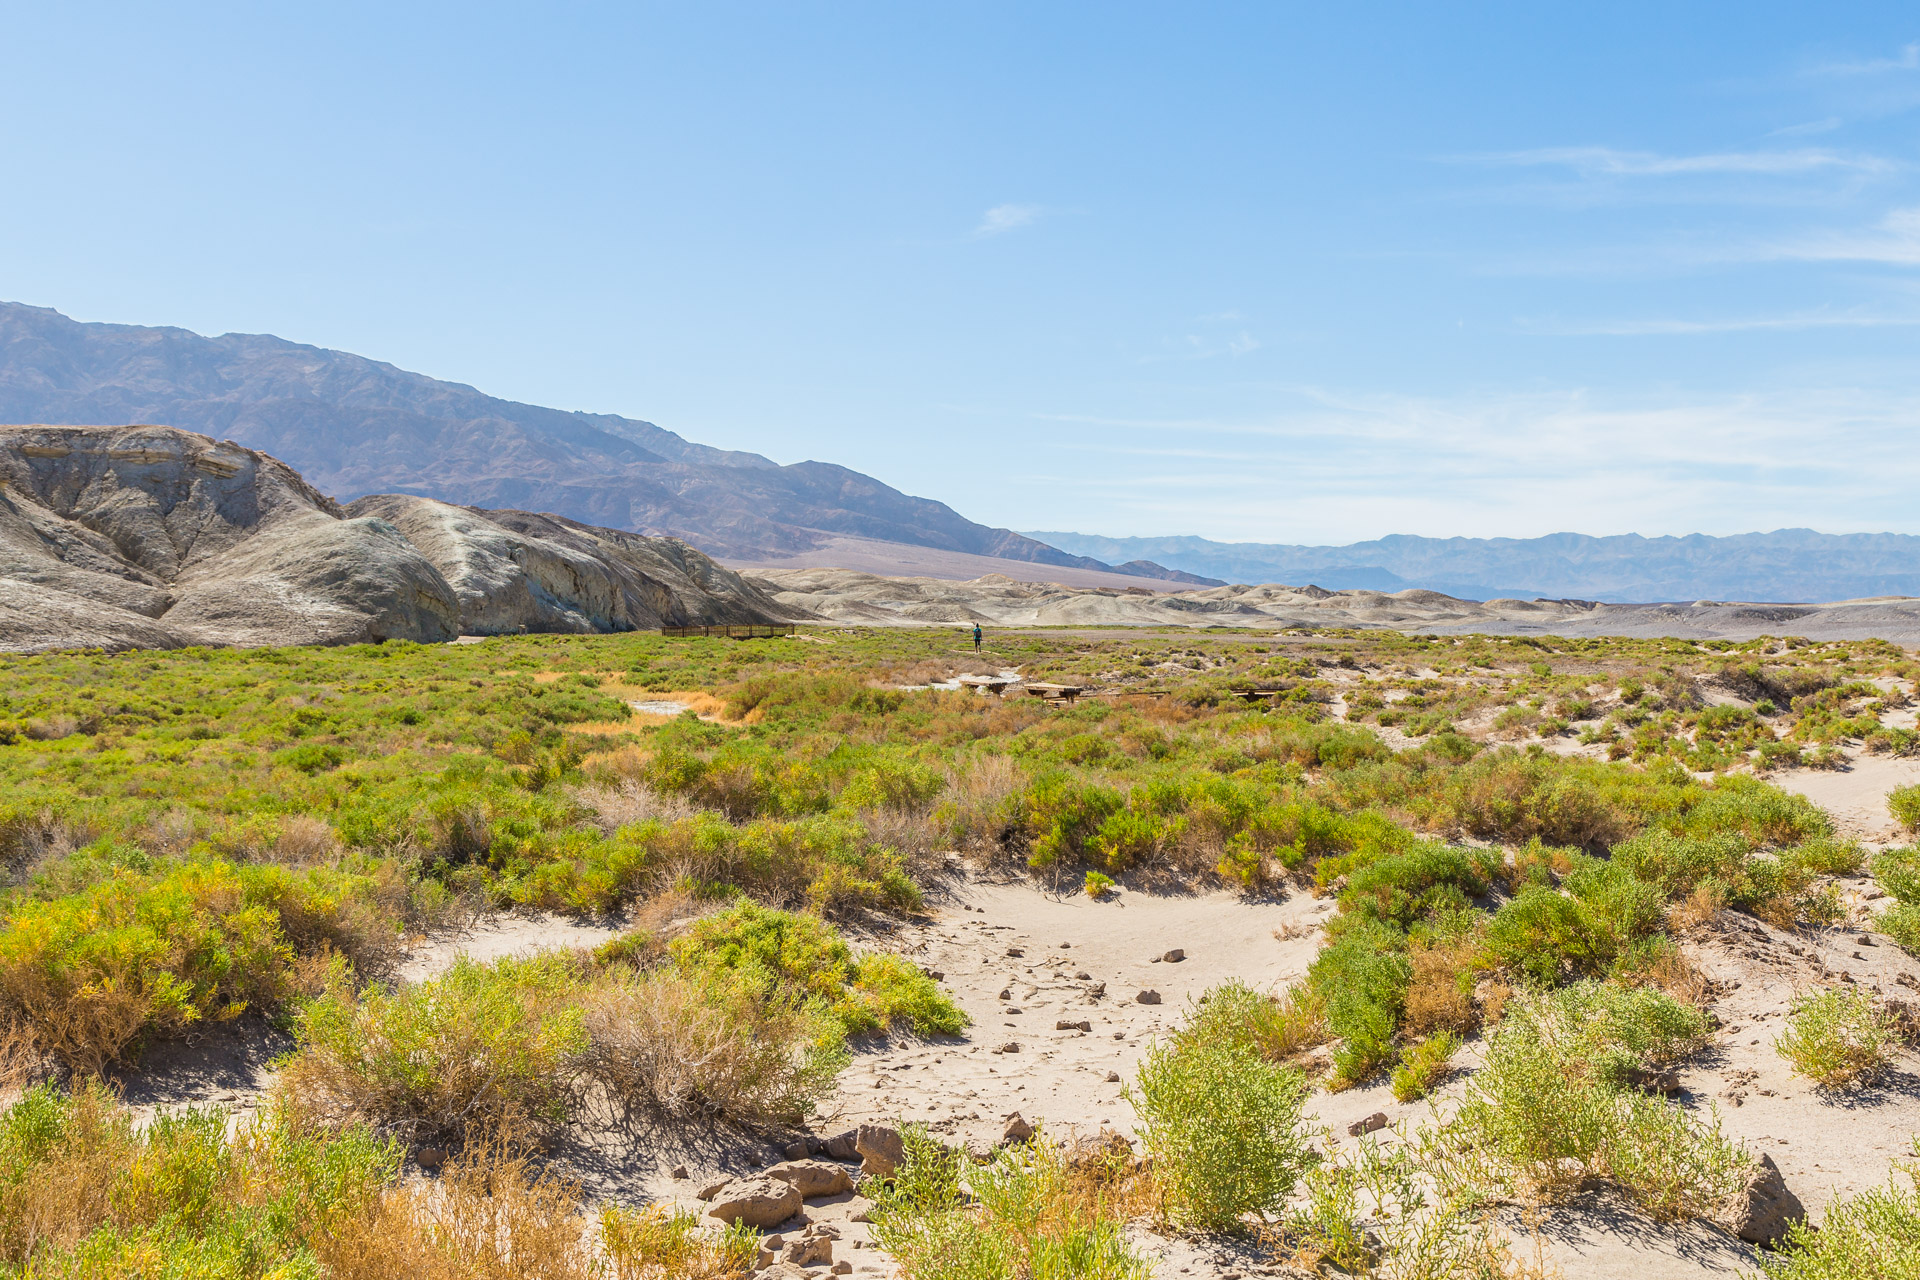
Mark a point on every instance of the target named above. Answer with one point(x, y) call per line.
point(735, 630)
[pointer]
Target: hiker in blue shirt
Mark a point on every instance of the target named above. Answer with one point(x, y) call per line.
point(976, 637)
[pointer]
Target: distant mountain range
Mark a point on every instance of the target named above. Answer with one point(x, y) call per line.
point(354, 426)
point(1785, 565)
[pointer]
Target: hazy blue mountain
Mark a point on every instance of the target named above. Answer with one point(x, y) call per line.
point(1785, 565)
point(355, 426)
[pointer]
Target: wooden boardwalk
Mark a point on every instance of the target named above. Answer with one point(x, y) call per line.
point(734, 631)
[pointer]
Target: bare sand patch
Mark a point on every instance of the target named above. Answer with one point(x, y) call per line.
point(1856, 796)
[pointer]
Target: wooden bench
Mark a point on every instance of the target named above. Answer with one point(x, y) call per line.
point(1056, 692)
point(995, 685)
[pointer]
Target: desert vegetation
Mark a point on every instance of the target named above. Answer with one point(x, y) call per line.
point(1517, 839)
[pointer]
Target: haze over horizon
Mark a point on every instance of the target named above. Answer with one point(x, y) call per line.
point(1245, 274)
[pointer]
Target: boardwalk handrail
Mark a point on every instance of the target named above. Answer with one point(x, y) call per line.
point(734, 630)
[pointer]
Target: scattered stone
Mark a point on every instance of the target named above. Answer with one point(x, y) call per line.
point(1769, 1206)
point(1119, 1035)
point(810, 1251)
point(1065, 1025)
point(841, 1268)
point(759, 1202)
point(1017, 1130)
point(1148, 996)
point(1113, 1077)
point(936, 975)
point(430, 1158)
point(812, 1178)
point(881, 1149)
point(1097, 991)
point(680, 1173)
point(1174, 956)
point(796, 1151)
point(1373, 1123)
point(1065, 945)
point(1083, 977)
point(1649, 1080)
point(1006, 993)
point(708, 1190)
point(1011, 1046)
point(841, 1146)
point(1015, 952)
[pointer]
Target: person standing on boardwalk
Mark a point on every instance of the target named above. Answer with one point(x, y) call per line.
point(976, 637)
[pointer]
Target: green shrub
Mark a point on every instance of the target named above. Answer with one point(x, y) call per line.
point(1224, 1129)
point(493, 1046)
point(1839, 1038)
point(1871, 1236)
point(1901, 922)
point(1545, 1114)
point(1098, 885)
point(84, 977)
point(663, 1242)
point(1904, 804)
point(1361, 979)
point(710, 1042)
point(1031, 1212)
point(1423, 1067)
point(803, 956)
point(1402, 888)
point(86, 1191)
point(1275, 1029)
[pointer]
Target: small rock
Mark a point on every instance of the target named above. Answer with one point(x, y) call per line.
point(1011, 1046)
point(708, 1190)
point(810, 1251)
point(1769, 1206)
point(1083, 977)
point(936, 975)
point(797, 1151)
point(1065, 945)
point(1065, 1025)
point(862, 1216)
point(841, 1268)
point(430, 1157)
point(1017, 1130)
point(1148, 996)
point(812, 1178)
point(1376, 1121)
point(1015, 952)
point(1006, 993)
point(1113, 1077)
point(1119, 1035)
point(680, 1173)
point(1174, 956)
point(1097, 991)
point(1158, 959)
point(841, 1145)
point(881, 1149)
point(1648, 1080)
point(758, 1202)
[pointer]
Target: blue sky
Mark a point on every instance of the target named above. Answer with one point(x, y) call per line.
point(1256, 272)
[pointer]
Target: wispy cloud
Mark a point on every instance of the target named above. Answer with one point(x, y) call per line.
point(1894, 241)
point(1613, 162)
point(1518, 464)
point(1908, 59)
point(1808, 128)
point(1735, 324)
point(1003, 218)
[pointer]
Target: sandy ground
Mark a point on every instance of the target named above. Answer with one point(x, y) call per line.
point(1856, 796)
point(1022, 961)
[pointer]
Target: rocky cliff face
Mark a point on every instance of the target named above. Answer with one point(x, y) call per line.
point(151, 537)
